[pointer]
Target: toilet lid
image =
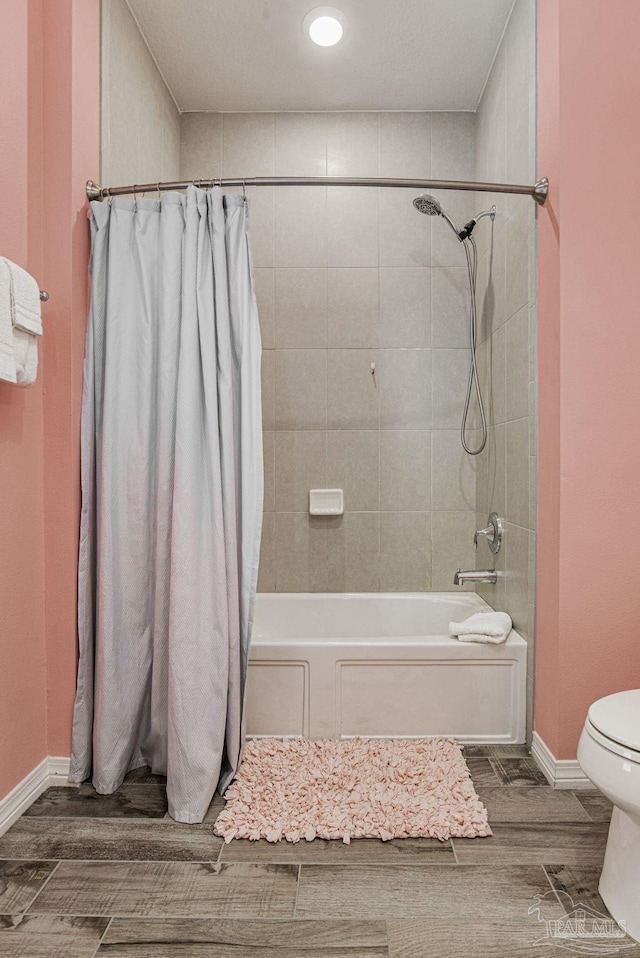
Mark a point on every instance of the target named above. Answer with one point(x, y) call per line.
point(618, 717)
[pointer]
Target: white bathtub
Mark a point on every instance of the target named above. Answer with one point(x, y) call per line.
point(384, 665)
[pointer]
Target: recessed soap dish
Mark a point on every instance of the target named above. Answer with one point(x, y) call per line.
point(326, 502)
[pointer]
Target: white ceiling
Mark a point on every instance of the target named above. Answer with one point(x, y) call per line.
point(237, 55)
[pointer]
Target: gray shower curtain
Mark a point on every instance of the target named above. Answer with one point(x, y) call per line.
point(171, 495)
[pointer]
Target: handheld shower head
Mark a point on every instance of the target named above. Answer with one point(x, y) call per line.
point(427, 204)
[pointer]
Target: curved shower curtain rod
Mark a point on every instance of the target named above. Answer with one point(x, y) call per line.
point(537, 192)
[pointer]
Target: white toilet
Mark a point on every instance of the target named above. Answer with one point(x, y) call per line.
point(609, 753)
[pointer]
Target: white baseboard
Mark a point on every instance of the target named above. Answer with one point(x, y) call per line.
point(53, 770)
point(559, 772)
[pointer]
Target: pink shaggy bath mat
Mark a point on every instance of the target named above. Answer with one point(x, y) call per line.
point(358, 788)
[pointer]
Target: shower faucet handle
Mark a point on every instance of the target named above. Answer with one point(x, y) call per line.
point(493, 533)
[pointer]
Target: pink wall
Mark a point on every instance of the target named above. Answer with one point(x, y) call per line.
point(23, 727)
point(71, 131)
point(589, 344)
point(49, 118)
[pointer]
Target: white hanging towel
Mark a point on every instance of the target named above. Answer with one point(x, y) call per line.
point(490, 627)
point(20, 324)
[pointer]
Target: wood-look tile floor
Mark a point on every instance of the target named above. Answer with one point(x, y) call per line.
point(88, 876)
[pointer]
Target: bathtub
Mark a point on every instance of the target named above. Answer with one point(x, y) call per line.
point(382, 665)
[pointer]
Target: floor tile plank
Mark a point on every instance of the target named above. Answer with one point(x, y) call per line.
point(598, 807)
point(482, 892)
point(481, 939)
point(537, 803)
point(319, 851)
point(577, 884)
point(482, 772)
point(110, 839)
point(170, 888)
point(518, 771)
point(19, 883)
point(140, 938)
point(130, 801)
point(496, 751)
point(535, 842)
point(49, 936)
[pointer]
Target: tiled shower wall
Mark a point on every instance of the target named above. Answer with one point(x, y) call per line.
point(140, 120)
point(363, 306)
point(506, 480)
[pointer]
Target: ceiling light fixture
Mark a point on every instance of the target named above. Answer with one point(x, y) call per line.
point(325, 25)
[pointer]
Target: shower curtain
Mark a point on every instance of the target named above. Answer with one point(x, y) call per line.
point(171, 495)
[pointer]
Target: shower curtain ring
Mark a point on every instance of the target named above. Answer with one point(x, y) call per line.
point(158, 189)
point(244, 189)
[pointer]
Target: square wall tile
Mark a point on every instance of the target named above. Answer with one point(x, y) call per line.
point(517, 576)
point(517, 232)
point(301, 389)
point(301, 465)
point(405, 551)
point(353, 552)
point(353, 308)
point(518, 472)
point(268, 388)
point(269, 462)
point(248, 144)
point(300, 226)
point(260, 224)
point(353, 464)
point(452, 548)
point(405, 144)
point(301, 144)
point(517, 364)
point(200, 145)
point(405, 307)
point(496, 386)
point(405, 471)
point(353, 395)
point(453, 145)
point(450, 307)
point(301, 553)
point(446, 248)
point(450, 377)
point(491, 473)
point(267, 566)
point(263, 287)
point(405, 235)
point(404, 381)
point(352, 226)
point(453, 473)
point(352, 144)
point(301, 308)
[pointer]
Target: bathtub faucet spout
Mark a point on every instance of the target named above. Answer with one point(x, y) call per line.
point(489, 576)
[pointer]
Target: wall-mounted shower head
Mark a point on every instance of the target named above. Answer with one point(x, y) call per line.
point(427, 204)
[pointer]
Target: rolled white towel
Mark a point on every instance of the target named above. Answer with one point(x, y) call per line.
point(490, 627)
point(20, 324)
point(25, 295)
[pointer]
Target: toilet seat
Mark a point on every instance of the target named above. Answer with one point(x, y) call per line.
point(630, 754)
point(614, 722)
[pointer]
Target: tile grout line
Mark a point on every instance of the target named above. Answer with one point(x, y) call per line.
point(552, 886)
point(102, 937)
point(453, 849)
point(41, 889)
point(295, 901)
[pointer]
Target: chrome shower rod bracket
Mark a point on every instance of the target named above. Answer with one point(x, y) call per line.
point(537, 192)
